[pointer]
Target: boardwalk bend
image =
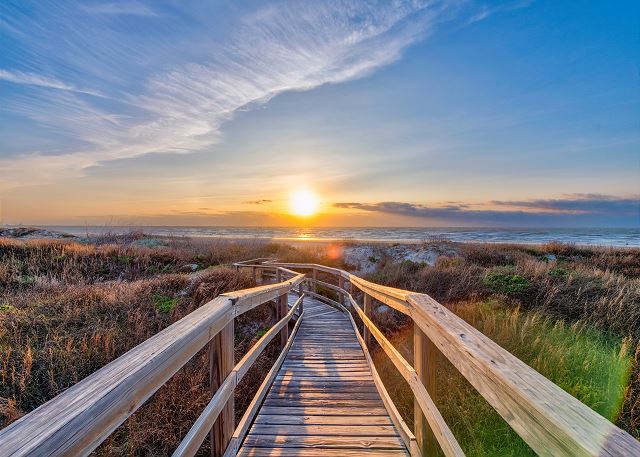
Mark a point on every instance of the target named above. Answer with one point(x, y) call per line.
point(323, 396)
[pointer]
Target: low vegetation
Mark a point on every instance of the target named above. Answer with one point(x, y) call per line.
point(68, 308)
point(589, 365)
point(572, 313)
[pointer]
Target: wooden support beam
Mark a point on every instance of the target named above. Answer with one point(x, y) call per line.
point(282, 311)
point(366, 335)
point(220, 365)
point(424, 362)
point(341, 294)
point(315, 278)
point(301, 295)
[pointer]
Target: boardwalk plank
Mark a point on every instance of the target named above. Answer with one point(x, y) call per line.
point(324, 400)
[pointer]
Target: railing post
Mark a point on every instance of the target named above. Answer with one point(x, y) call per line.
point(282, 311)
point(253, 273)
point(366, 335)
point(301, 295)
point(341, 285)
point(315, 278)
point(220, 365)
point(278, 275)
point(424, 362)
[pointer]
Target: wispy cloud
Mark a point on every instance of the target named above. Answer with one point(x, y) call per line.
point(257, 202)
point(32, 79)
point(578, 207)
point(181, 105)
point(125, 7)
point(580, 204)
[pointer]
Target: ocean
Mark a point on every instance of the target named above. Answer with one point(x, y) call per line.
point(585, 236)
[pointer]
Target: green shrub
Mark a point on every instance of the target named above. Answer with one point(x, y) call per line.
point(590, 365)
point(504, 283)
point(558, 272)
point(262, 332)
point(163, 303)
point(411, 266)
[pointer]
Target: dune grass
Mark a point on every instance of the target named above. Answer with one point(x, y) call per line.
point(588, 364)
point(68, 308)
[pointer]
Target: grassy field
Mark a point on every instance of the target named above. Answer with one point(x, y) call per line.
point(68, 308)
point(589, 365)
point(572, 313)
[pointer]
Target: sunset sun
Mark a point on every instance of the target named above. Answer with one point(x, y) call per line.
point(304, 203)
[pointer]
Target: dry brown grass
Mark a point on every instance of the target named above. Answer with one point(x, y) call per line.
point(67, 309)
point(597, 287)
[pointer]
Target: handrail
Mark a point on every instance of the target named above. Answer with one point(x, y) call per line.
point(78, 420)
point(547, 418)
point(193, 440)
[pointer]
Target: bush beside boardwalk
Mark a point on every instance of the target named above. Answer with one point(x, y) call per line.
point(67, 308)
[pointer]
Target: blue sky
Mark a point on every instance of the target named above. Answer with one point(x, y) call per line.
point(515, 113)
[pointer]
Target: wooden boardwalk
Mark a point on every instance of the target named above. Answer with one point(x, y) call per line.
point(323, 400)
point(321, 397)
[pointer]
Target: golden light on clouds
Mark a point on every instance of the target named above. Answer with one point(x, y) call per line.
point(304, 203)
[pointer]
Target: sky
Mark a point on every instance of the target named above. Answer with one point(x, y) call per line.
point(392, 113)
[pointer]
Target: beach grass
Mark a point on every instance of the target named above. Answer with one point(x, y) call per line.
point(67, 308)
point(587, 363)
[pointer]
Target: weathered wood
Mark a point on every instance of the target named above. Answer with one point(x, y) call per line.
point(220, 367)
point(424, 362)
point(316, 282)
point(78, 420)
point(324, 430)
point(280, 419)
point(302, 452)
point(443, 434)
point(250, 298)
point(252, 355)
point(328, 301)
point(366, 334)
point(321, 399)
point(405, 433)
point(319, 411)
point(282, 311)
point(301, 295)
point(248, 416)
point(557, 424)
point(203, 425)
point(549, 420)
point(320, 443)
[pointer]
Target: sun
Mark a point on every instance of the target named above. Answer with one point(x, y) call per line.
point(304, 203)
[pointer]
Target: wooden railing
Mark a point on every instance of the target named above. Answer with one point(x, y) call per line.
point(550, 420)
point(78, 420)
